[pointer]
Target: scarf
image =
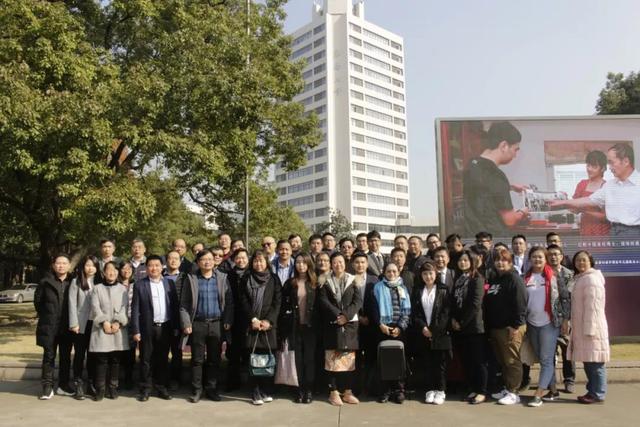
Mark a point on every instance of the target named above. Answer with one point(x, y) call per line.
point(461, 289)
point(382, 291)
point(547, 273)
point(337, 285)
point(256, 286)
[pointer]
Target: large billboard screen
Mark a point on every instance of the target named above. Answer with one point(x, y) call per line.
point(576, 176)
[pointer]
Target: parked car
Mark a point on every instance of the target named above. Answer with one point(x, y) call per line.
point(19, 293)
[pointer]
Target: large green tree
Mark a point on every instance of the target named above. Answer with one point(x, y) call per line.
point(621, 94)
point(96, 95)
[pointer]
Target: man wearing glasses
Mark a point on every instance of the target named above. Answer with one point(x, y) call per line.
point(269, 246)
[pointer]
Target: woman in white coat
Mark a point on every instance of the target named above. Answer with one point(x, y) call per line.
point(589, 332)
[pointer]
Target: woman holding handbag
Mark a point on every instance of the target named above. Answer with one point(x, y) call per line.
point(340, 300)
point(298, 324)
point(260, 298)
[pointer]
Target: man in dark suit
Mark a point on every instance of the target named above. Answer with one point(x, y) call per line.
point(206, 313)
point(154, 321)
point(444, 275)
point(377, 261)
point(180, 246)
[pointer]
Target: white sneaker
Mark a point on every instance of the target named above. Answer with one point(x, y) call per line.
point(499, 395)
point(61, 392)
point(509, 399)
point(46, 394)
point(429, 397)
point(439, 398)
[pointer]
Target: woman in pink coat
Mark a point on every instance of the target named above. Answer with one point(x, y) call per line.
point(589, 335)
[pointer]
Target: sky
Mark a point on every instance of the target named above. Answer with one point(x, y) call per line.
point(469, 58)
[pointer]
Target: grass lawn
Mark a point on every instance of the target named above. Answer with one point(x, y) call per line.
point(18, 340)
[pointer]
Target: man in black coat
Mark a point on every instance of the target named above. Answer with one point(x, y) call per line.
point(154, 321)
point(444, 275)
point(206, 312)
point(52, 333)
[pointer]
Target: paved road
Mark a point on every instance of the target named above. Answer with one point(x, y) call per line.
point(20, 407)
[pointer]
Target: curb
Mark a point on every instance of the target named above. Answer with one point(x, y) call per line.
point(617, 372)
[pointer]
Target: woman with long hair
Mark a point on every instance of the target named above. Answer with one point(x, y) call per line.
point(80, 320)
point(235, 349)
point(128, 361)
point(589, 341)
point(467, 324)
point(260, 299)
point(340, 300)
point(297, 325)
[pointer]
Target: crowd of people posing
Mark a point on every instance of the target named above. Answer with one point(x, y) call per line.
point(338, 317)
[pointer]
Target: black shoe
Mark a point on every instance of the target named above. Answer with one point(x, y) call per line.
point(143, 396)
point(399, 397)
point(91, 391)
point(214, 395)
point(164, 394)
point(299, 397)
point(195, 397)
point(47, 392)
point(308, 397)
point(112, 393)
point(79, 394)
point(99, 395)
point(551, 396)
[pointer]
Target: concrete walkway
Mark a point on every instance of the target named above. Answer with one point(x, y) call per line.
point(21, 407)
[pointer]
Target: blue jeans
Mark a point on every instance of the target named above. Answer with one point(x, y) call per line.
point(596, 379)
point(543, 340)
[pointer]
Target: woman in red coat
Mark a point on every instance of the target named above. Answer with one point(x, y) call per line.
point(593, 222)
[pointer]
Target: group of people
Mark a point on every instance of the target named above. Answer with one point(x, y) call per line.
point(341, 314)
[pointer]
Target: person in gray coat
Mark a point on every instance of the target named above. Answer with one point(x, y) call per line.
point(109, 337)
point(80, 323)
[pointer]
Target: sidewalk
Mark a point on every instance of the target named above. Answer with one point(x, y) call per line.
point(21, 407)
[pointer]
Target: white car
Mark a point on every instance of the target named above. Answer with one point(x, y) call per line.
point(19, 293)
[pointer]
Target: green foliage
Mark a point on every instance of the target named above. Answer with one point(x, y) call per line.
point(338, 224)
point(95, 96)
point(621, 94)
point(267, 218)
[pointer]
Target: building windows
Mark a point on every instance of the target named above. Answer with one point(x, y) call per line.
point(378, 115)
point(400, 148)
point(320, 152)
point(397, 70)
point(398, 95)
point(398, 108)
point(307, 101)
point(380, 185)
point(300, 201)
point(357, 152)
point(320, 68)
point(378, 102)
point(357, 95)
point(321, 197)
point(384, 200)
point(400, 135)
point(307, 87)
point(377, 88)
point(320, 95)
point(321, 109)
point(396, 46)
point(282, 191)
point(355, 40)
point(373, 155)
point(355, 67)
point(322, 212)
point(318, 29)
point(357, 123)
point(322, 123)
point(320, 167)
point(359, 211)
point(319, 82)
point(299, 52)
point(401, 175)
point(307, 74)
point(399, 122)
point(303, 186)
point(402, 188)
point(377, 37)
point(398, 83)
point(403, 215)
point(300, 172)
point(319, 55)
point(402, 202)
point(318, 42)
point(355, 54)
point(356, 81)
point(379, 143)
point(357, 109)
point(360, 226)
point(400, 161)
point(357, 166)
point(377, 50)
point(396, 58)
point(362, 197)
point(380, 171)
point(300, 39)
point(380, 129)
point(357, 137)
point(281, 177)
point(376, 75)
point(355, 27)
point(356, 180)
point(321, 182)
point(373, 61)
point(307, 214)
point(379, 213)
point(383, 229)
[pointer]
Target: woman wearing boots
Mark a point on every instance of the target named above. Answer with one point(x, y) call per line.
point(297, 324)
point(340, 300)
point(109, 337)
point(80, 323)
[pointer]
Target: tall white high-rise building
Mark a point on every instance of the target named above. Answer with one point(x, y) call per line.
point(354, 81)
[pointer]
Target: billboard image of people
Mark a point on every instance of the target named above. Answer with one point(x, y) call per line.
point(574, 176)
